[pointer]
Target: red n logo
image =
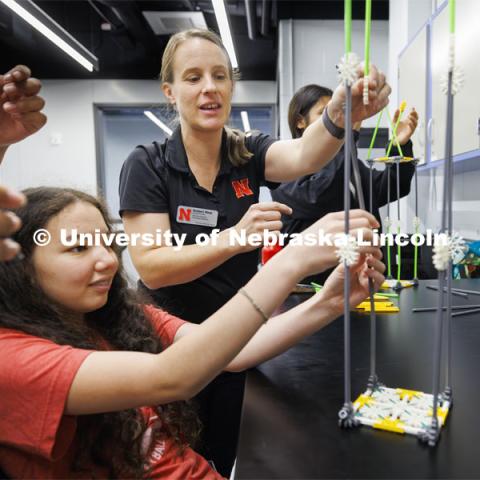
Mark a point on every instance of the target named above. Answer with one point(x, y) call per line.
point(184, 214)
point(241, 188)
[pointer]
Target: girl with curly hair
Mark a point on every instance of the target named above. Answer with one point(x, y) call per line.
point(95, 383)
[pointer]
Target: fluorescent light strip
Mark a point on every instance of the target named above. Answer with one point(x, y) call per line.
point(158, 122)
point(47, 32)
point(222, 20)
point(245, 121)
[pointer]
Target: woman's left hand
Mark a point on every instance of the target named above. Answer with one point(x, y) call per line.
point(379, 91)
point(367, 267)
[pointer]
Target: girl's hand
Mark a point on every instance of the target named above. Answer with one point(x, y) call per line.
point(368, 266)
point(314, 250)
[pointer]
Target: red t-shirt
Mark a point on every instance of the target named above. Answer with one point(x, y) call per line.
point(37, 440)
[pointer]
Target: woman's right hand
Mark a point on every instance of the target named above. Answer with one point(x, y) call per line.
point(322, 254)
point(260, 217)
point(378, 90)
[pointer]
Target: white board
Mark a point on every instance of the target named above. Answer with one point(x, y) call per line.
point(412, 84)
point(467, 101)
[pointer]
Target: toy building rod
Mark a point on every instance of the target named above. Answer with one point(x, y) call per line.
point(388, 161)
point(373, 378)
point(398, 410)
point(416, 226)
point(398, 285)
point(455, 80)
point(368, 23)
point(347, 70)
point(387, 223)
point(442, 258)
point(453, 85)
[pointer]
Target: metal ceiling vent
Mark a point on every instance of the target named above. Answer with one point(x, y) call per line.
point(166, 23)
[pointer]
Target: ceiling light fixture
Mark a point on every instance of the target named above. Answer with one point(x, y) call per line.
point(224, 27)
point(39, 20)
point(158, 122)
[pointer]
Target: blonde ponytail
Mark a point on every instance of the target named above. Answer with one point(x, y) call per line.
point(237, 151)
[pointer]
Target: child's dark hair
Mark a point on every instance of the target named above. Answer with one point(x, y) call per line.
point(301, 103)
point(111, 440)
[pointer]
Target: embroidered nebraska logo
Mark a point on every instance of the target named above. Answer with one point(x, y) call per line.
point(184, 214)
point(241, 188)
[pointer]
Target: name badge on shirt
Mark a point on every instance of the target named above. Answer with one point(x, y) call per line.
point(197, 216)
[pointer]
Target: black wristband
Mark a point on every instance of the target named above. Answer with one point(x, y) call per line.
point(335, 131)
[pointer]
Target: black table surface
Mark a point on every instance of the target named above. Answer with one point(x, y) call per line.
point(289, 422)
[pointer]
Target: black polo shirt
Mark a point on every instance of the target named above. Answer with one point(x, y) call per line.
point(157, 179)
point(313, 196)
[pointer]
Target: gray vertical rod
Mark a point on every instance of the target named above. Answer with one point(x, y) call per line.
point(389, 260)
point(388, 189)
point(346, 193)
point(399, 258)
point(371, 291)
point(416, 247)
point(370, 193)
point(416, 191)
point(437, 349)
point(449, 215)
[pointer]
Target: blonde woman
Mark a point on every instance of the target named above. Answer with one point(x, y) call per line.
point(205, 177)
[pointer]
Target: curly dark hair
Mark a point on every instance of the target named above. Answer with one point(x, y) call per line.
point(108, 440)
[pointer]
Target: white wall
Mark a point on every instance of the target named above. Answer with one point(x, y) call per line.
point(406, 18)
point(70, 111)
point(317, 46)
point(37, 162)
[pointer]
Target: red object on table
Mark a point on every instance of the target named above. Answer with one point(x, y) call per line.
point(269, 252)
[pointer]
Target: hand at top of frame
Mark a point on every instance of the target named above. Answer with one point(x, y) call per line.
point(20, 106)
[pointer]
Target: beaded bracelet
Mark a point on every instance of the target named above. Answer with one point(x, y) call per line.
point(253, 303)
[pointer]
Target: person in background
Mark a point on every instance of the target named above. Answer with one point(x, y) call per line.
point(207, 176)
point(314, 195)
point(20, 117)
point(95, 383)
